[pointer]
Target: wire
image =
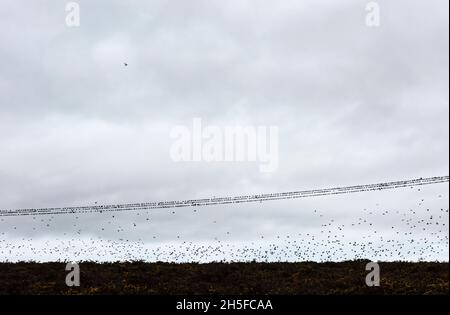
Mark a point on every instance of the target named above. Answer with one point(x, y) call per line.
point(228, 200)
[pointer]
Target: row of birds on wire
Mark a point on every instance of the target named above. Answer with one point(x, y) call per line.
point(420, 233)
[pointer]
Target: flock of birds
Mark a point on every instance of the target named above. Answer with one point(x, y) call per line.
point(412, 233)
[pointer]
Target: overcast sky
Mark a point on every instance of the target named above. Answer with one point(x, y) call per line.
point(354, 104)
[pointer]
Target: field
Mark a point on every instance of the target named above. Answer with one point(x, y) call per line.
point(221, 278)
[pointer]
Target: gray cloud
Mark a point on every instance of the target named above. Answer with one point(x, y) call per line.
point(353, 104)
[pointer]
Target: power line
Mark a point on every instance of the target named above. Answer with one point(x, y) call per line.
point(228, 200)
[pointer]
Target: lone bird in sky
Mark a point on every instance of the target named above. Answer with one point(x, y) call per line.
point(125, 64)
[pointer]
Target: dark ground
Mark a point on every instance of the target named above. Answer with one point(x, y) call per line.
point(227, 279)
